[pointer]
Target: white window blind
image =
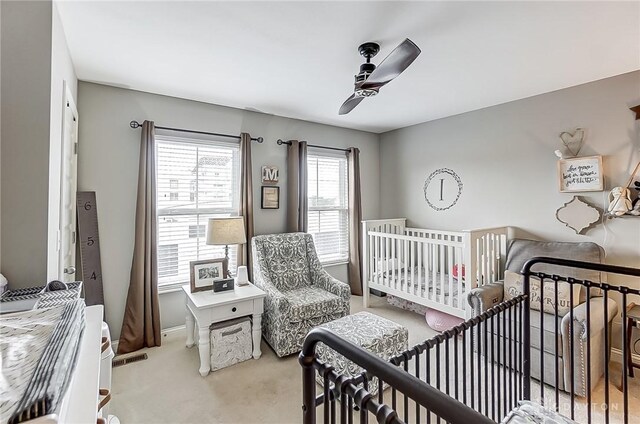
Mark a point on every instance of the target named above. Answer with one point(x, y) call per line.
point(328, 209)
point(196, 180)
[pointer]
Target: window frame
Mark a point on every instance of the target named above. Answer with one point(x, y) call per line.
point(200, 214)
point(344, 188)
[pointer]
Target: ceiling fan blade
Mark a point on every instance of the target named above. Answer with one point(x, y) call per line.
point(349, 104)
point(393, 65)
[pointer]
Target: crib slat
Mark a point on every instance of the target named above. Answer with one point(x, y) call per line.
point(450, 274)
point(419, 282)
point(434, 281)
point(392, 261)
point(489, 261)
point(460, 303)
point(484, 260)
point(371, 259)
point(405, 248)
point(496, 247)
point(426, 287)
point(441, 286)
point(376, 260)
point(412, 259)
point(387, 248)
point(478, 263)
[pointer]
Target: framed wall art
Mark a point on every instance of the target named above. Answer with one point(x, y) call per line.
point(270, 197)
point(205, 273)
point(270, 174)
point(580, 174)
point(442, 189)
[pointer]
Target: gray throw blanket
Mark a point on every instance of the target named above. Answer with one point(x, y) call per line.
point(38, 352)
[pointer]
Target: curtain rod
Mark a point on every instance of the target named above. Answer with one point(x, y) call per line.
point(136, 124)
point(315, 146)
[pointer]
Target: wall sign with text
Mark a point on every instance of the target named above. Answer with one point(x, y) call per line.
point(442, 189)
point(580, 174)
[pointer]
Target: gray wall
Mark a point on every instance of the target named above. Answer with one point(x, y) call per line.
point(108, 164)
point(63, 77)
point(26, 89)
point(505, 158)
point(36, 65)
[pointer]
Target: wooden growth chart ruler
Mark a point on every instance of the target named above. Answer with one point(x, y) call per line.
point(89, 247)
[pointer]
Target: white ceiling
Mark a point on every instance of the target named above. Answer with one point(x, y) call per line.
point(297, 59)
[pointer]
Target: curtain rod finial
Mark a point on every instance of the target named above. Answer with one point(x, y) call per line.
point(259, 139)
point(134, 124)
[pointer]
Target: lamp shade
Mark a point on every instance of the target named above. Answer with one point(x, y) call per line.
point(225, 231)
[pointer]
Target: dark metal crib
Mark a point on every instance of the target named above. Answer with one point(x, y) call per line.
point(476, 372)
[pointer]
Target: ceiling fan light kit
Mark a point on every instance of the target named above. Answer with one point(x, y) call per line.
point(371, 78)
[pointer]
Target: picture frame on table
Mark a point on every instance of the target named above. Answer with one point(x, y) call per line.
point(204, 273)
point(270, 197)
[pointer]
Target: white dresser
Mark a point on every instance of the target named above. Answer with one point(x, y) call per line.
point(80, 404)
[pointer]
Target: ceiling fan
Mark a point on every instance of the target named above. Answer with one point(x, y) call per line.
point(371, 78)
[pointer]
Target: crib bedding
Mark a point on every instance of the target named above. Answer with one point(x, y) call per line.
point(420, 278)
point(38, 352)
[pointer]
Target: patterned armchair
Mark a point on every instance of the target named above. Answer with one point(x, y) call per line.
point(300, 293)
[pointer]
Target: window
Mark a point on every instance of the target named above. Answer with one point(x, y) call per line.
point(196, 231)
point(168, 256)
point(173, 185)
point(328, 210)
point(196, 180)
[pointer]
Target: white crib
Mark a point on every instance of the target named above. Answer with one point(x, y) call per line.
point(432, 268)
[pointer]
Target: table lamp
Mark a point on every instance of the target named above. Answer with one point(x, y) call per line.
point(226, 231)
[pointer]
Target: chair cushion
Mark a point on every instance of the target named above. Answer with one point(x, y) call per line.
point(286, 259)
point(521, 250)
point(312, 302)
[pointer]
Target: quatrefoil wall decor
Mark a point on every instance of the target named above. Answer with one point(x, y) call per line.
point(578, 215)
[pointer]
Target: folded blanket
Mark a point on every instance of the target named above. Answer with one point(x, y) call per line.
point(38, 352)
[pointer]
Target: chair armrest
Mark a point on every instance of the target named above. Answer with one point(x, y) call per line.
point(325, 281)
point(596, 317)
point(578, 367)
point(485, 297)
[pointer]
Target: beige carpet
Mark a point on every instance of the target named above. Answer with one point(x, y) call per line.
point(167, 387)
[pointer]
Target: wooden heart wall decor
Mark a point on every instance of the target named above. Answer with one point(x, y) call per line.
point(573, 141)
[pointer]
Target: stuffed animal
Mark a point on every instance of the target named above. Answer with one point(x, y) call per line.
point(635, 209)
point(619, 201)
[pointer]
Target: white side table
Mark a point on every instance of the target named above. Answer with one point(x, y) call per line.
point(206, 307)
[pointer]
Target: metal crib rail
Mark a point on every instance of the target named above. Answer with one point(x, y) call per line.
point(492, 354)
point(423, 394)
point(606, 346)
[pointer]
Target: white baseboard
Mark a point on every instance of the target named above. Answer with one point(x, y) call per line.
point(172, 332)
point(616, 355)
point(169, 333)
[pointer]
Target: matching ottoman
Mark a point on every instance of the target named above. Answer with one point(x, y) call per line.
point(375, 334)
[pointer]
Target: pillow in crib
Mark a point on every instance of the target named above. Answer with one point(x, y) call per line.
point(513, 288)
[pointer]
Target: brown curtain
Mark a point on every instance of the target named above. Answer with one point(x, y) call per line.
point(355, 218)
point(141, 322)
point(297, 186)
point(246, 200)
